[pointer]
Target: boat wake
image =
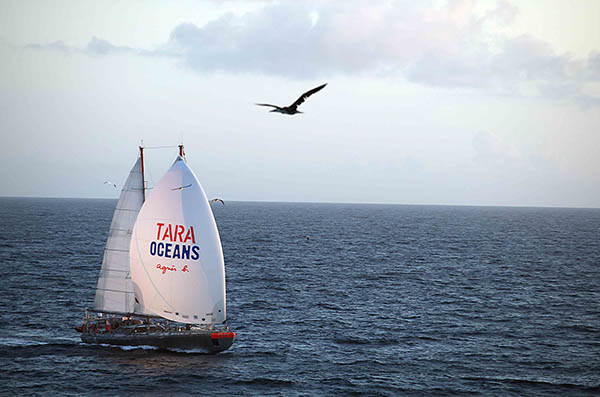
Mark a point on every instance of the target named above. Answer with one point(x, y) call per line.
point(126, 348)
point(148, 347)
point(17, 342)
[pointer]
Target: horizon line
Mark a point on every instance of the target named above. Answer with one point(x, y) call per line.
point(331, 202)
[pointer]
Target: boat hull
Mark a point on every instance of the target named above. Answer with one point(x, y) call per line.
point(209, 342)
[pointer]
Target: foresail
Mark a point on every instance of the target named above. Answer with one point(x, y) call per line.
point(114, 292)
point(176, 256)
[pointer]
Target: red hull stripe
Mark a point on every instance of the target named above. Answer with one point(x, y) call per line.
point(221, 335)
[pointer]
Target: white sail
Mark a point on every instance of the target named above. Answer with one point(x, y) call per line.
point(114, 292)
point(177, 263)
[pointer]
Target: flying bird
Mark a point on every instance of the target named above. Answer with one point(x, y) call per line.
point(306, 237)
point(293, 108)
point(110, 183)
point(217, 199)
point(182, 187)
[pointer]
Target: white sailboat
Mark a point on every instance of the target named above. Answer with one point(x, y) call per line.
point(162, 281)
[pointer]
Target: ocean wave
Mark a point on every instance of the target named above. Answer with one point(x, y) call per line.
point(25, 342)
point(17, 342)
point(362, 362)
point(352, 340)
point(266, 382)
point(331, 306)
point(539, 383)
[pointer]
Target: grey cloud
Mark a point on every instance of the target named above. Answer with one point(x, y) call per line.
point(98, 46)
point(258, 42)
point(56, 46)
point(521, 62)
point(593, 66)
point(525, 58)
point(284, 39)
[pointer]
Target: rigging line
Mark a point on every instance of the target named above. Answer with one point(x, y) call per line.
point(115, 249)
point(160, 147)
point(149, 178)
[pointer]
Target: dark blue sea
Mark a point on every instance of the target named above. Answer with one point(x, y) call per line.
point(383, 300)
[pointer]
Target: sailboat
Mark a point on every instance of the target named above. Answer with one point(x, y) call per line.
point(162, 281)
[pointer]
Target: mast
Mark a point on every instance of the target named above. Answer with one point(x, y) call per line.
point(143, 176)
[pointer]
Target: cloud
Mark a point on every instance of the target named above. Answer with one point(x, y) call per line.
point(98, 46)
point(56, 46)
point(593, 66)
point(304, 39)
point(445, 46)
point(521, 65)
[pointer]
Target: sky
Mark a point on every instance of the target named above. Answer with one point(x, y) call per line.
point(457, 102)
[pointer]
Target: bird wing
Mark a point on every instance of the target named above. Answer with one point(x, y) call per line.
point(303, 97)
point(266, 104)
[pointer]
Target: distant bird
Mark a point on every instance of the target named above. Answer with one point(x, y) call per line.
point(110, 183)
point(293, 108)
point(182, 187)
point(306, 237)
point(217, 199)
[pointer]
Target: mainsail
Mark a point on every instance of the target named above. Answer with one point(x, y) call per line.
point(114, 292)
point(177, 264)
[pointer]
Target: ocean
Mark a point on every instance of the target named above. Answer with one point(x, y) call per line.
point(383, 300)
